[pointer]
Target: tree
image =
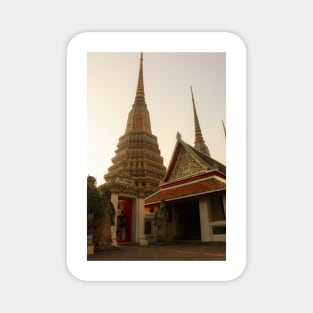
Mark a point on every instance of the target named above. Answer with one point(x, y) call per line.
point(94, 201)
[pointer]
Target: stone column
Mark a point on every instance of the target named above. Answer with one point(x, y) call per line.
point(141, 222)
point(114, 199)
point(134, 237)
point(204, 207)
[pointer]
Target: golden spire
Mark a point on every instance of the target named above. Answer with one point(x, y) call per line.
point(138, 117)
point(140, 88)
point(199, 141)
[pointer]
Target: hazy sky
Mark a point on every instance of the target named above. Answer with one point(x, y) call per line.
point(112, 81)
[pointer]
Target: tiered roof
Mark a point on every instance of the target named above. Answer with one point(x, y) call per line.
point(190, 173)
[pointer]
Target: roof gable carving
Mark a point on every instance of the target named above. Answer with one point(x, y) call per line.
point(186, 164)
point(187, 161)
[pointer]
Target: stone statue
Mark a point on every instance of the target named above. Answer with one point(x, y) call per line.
point(104, 218)
point(160, 221)
point(109, 207)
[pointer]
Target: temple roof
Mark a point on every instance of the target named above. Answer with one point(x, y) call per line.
point(188, 161)
point(190, 173)
point(191, 189)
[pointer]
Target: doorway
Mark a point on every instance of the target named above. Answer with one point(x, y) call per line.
point(124, 220)
point(187, 220)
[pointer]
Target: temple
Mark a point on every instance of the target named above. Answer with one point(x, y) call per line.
point(194, 188)
point(137, 169)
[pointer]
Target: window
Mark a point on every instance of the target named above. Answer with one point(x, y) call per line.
point(219, 230)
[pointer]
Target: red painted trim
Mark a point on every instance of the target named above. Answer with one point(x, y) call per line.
point(197, 188)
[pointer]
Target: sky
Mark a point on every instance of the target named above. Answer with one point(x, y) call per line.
point(111, 89)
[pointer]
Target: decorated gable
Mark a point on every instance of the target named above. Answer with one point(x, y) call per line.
point(186, 164)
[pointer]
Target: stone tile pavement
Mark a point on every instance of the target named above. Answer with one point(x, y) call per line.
point(171, 252)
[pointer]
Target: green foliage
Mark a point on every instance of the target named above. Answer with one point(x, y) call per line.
point(94, 201)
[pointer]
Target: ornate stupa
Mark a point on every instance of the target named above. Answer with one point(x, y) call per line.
point(199, 141)
point(137, 165)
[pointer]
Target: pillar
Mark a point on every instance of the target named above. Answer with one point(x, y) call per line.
point(204, 208)
point(141, 222)
point(134, 226)
point(114, 200)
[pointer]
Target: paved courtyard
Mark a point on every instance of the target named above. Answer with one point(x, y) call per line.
point(173, 252)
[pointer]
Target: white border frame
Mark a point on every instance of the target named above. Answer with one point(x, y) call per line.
point(235, 156)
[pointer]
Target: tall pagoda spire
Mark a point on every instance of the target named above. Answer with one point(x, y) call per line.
point(140, 87)
point(199, 141)
point(138, 117)
point(137, 166)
